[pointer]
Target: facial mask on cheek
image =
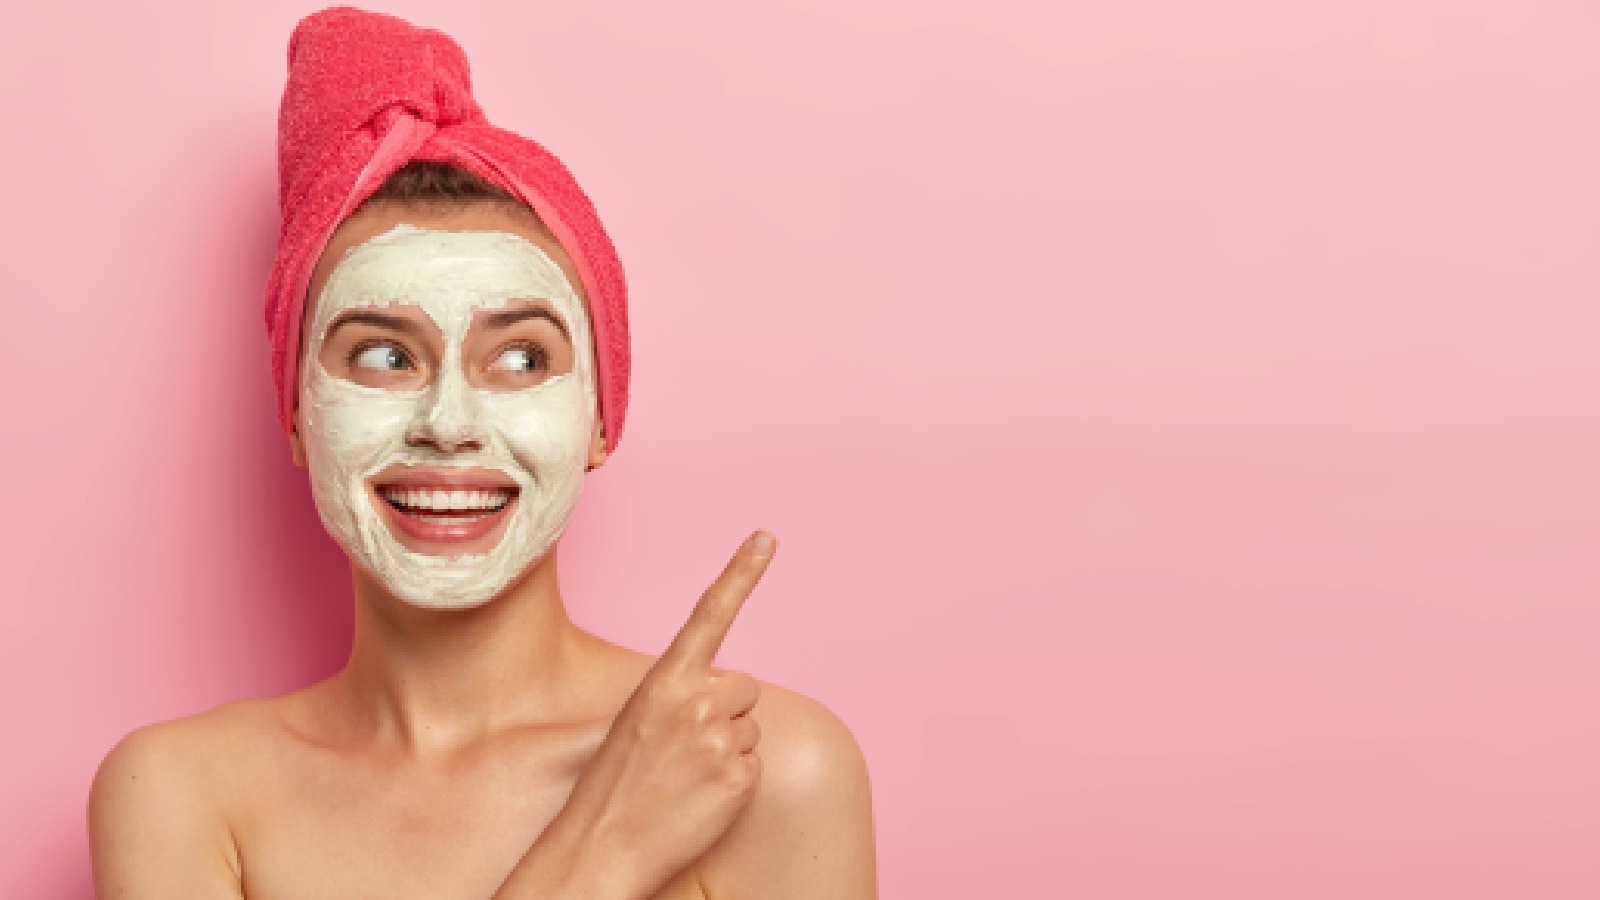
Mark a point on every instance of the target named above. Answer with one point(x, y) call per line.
point(538, 436)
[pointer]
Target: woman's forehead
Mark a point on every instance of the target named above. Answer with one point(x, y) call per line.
point(380, 218)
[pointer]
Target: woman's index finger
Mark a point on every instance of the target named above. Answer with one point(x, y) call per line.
point(701, 636)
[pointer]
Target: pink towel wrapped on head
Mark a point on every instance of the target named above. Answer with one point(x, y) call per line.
point(368, 93)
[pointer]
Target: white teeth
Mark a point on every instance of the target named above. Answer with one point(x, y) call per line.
point(448, 501)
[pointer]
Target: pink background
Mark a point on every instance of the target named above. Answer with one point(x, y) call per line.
point(1182, 419)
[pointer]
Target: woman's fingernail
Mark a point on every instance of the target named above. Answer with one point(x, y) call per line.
point(761, 544)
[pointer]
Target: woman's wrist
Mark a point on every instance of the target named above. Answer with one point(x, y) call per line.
point(569, 862)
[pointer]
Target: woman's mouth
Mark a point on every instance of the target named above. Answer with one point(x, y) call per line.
point(446, 517)
point(446, 505)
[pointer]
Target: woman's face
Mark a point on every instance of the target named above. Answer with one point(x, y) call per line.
point(446, 397)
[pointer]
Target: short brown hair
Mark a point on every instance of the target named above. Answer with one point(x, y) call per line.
point(428, 180)
point(440, 184)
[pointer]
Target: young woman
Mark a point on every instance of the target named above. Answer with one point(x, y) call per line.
point(450, 329)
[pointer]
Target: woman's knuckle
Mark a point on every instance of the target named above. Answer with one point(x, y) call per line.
point(742, 776)
point(658, 692)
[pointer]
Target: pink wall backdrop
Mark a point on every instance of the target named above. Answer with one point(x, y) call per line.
point(1182, 420)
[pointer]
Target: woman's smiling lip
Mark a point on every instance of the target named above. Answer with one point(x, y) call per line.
point(445, 509)
point(442, 477)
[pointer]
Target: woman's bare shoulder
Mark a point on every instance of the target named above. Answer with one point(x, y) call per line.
point(804, 745)
point(158, 805)
point(808, 831)
point(203, 744)
point(197, 761)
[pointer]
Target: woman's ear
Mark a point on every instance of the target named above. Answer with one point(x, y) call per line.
point(597, 445)
point(297, 448)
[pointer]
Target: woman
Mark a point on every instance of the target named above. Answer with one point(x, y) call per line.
point(449, 328)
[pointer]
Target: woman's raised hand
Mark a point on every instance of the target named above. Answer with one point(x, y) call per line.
point(677, 766)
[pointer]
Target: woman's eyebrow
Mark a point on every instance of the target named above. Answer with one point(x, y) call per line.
point(504, 318)
point(369, 317)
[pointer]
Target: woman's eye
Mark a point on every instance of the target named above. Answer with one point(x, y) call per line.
point(519, 359)
point(384, 357)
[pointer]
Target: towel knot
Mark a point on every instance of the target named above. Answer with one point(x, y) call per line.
point(374, 67)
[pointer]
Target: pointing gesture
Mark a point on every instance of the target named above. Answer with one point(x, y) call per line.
point(679, 762)
point(699, 639)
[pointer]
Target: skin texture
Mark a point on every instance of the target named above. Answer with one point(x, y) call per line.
point(495, 752)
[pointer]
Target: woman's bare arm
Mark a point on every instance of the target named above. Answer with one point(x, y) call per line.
point(155, 828)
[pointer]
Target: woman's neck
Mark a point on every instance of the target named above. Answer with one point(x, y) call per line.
point(433, 680)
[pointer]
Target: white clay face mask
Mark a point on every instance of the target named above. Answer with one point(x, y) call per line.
point(537, 437)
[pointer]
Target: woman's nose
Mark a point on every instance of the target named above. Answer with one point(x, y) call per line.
point(450, 418)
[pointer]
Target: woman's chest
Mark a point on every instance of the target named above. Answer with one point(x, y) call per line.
point(340, 829)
